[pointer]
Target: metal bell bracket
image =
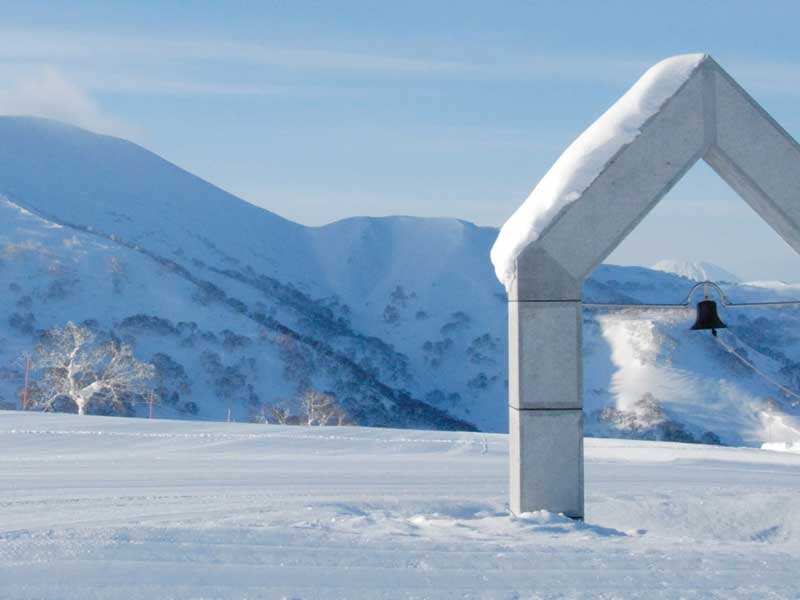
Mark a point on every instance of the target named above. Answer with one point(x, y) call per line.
point(687, 304)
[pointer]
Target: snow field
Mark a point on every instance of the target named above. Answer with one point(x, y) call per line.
point(95, 507)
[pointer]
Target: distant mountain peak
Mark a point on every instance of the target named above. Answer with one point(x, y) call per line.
point(697, 270)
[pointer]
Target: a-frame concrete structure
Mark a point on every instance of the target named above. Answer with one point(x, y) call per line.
point(710, 117)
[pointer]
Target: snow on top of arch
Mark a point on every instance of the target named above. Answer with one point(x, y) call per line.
point(584, 160)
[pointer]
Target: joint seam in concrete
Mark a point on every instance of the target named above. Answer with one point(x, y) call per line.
point(709, 107)
point(520, 409)
point(544, 301)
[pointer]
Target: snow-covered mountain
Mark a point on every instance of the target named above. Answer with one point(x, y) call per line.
point(238, 305)
point(696, 270)
point(400, 318)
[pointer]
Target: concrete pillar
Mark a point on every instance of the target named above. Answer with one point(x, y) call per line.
point(545, 406)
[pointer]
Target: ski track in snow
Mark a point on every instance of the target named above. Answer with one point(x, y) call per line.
point(97, 508)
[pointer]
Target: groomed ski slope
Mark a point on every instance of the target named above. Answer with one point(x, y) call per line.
point(94, 507)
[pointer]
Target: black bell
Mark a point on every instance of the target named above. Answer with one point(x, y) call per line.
point(707, 317)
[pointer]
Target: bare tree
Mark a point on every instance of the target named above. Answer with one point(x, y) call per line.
point(74, 364)
point(280, 415)
point(321, 409)
point(315, 409)
point(119, 274)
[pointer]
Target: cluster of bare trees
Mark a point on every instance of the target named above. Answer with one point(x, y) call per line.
point(71, 365)
point(316, 409)
point(76, 370)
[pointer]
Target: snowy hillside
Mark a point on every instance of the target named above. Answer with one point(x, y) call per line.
point(400, 319)
point(243, 303)
point(99, 508)
point(696, 270)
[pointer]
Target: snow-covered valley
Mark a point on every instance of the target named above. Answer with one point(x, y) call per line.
point(400, 319)
point(103, 507)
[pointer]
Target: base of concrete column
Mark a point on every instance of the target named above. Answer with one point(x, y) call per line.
point(546, 461)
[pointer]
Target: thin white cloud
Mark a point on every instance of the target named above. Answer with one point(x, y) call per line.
point(143, 65)
point(100, 63)
point(77, 47)
point(93, 47)
point(137, 84)
point(135, 64)
point(48, 93)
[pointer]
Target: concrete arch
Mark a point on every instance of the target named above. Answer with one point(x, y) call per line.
point(710, 117)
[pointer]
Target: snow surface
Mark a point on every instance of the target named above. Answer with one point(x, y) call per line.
point(584, 160)
point(102, 508)
point(781, 447)
point(696, 270)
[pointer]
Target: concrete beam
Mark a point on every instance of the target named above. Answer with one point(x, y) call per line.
point(757, 158)
point(629, 187)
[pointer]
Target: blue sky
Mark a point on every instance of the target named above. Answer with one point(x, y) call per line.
point(323, 110)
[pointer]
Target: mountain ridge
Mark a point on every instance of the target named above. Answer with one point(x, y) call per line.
point(401, 318)
point(696, 270)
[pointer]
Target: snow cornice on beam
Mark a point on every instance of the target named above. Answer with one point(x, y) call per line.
point(587, 157)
